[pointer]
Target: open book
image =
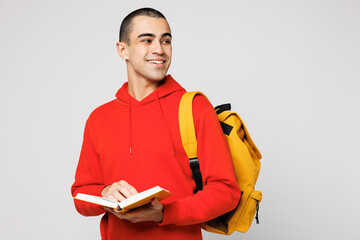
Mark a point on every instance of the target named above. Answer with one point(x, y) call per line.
point(137, 200)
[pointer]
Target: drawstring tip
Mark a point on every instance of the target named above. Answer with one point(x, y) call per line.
point(130, 151)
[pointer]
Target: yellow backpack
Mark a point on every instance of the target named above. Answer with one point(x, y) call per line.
point(246, 159)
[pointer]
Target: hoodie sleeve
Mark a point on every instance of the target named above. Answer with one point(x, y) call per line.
point(221, 192)
point(88, 176)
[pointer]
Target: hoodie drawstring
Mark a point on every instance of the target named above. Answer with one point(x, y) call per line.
point(164, 120)
point(130, 126)
point(166, 124)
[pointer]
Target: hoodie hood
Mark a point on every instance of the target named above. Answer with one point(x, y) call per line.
point(167, 87)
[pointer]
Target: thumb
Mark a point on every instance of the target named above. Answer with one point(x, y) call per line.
point(155, 201)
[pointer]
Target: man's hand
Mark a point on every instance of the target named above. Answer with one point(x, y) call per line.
point(151, 212)
point(121, 190)
point(118, 191)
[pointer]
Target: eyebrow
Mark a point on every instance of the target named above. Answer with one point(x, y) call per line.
point(153, 35)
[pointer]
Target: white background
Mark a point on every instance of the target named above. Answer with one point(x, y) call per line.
point(290, 68)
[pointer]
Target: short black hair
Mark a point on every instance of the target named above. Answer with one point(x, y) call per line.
point(126, 24)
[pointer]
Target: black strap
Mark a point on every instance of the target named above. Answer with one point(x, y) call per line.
point(257, 213)
point(224, 107)
point(195, 168)
point(226, 128)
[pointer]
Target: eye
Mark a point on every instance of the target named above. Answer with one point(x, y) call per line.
point(146, 40)
point(167, 41)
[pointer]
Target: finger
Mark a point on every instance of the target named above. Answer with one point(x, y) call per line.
point(156, 204)
point(116, 196)
point(108, 191)
point(125, 189)
point(105, 190)
point(128, 187)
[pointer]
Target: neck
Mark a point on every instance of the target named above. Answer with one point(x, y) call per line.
point(141, 88)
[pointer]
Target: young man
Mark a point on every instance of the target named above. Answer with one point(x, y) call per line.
point(133, 143)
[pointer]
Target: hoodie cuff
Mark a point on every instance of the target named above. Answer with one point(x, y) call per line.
point(85, 208)
point(171, 214)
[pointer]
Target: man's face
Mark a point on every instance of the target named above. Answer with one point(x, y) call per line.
point(149, 52)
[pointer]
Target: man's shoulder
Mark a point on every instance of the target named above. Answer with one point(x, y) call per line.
point(200, 103)
point(103, 110)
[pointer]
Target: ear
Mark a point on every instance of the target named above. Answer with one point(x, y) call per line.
point(122, 50)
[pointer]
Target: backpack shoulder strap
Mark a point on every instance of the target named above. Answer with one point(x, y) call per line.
point(188, 137)
point(186, 124)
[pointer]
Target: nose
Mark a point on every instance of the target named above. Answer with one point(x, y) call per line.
point(157, 48)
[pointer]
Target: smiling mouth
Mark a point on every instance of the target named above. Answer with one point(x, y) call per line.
point(155, 61)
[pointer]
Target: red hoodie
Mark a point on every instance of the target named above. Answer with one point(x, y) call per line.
point(139, 142)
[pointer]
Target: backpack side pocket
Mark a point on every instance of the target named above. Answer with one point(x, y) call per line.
point(251, 208)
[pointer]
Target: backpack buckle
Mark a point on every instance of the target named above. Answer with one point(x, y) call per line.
point(194, 162)
point(195, 168)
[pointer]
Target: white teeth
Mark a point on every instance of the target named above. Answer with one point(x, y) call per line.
point(156, 62)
